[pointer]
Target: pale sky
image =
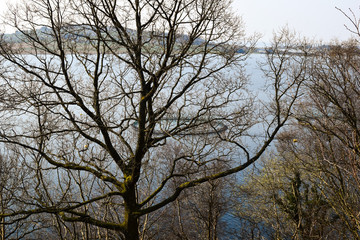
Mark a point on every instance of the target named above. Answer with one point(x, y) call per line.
point(316, 19)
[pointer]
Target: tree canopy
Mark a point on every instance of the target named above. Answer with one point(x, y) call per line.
point(116, 107)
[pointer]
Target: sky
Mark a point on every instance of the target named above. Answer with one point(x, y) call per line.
point(315, 19)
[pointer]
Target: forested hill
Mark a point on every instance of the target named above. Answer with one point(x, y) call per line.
point(85, 34)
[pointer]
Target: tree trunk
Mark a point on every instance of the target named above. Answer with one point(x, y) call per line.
point(132, 227)
point(2, 229)
point(2, 220)
point(131, 220)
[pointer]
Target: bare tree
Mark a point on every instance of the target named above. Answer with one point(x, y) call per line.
point(331, 117)
point(283, 201)
point(95, 92)
point(314, 183)
point(196, 214)
point(15, 182)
